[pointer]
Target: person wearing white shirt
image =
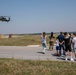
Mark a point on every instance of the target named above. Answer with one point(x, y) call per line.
point(57, 47)
point(43, 36)
point(74, 42)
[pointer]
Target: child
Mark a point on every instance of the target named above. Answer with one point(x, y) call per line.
point(57, 47)
point(43, 36)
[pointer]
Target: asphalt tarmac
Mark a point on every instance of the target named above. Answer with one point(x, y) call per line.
point(30, 53)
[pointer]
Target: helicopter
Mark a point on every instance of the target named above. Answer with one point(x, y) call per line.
point(4, 18)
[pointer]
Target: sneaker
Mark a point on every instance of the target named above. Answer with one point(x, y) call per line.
point(63, 55)
point(43, 53)
point(56, 54)
point(72, 59)
point(66, 59)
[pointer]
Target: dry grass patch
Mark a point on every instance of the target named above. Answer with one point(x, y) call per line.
point(29, 67)
point(23, 41)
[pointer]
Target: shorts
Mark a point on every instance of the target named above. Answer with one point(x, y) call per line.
point(68, 48)
point(51, 43)
point(44, 45)
point(57, 48)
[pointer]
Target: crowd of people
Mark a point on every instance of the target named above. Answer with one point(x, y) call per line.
point(65, 44)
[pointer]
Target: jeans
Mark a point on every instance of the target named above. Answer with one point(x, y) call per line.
point(62, 47)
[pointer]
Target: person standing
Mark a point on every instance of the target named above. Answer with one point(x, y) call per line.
point(44, 45)
point(61, 43)
point(74, 43)
point(57, 47)
point(67, 42)
point(51, 42)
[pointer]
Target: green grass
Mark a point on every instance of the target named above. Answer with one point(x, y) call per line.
point(22, 41)
point(30, 67)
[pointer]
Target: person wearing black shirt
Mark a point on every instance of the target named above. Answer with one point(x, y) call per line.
point(67, 42)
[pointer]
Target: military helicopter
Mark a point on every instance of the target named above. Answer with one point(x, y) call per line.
point(4, 18)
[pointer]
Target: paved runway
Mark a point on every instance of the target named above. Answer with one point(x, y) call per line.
point(29, 53)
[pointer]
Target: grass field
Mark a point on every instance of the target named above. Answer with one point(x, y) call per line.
point(23, 41)
point(29, 67)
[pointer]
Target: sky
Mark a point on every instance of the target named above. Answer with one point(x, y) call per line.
point(37, 16)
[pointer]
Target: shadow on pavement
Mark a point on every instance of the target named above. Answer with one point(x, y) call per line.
point(40, 52)
point(61, 58)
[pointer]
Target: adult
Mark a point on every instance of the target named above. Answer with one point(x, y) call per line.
point(61, 43)
point(51, 42)
point(74, 43)
point(43, 36)
point(67, 42)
